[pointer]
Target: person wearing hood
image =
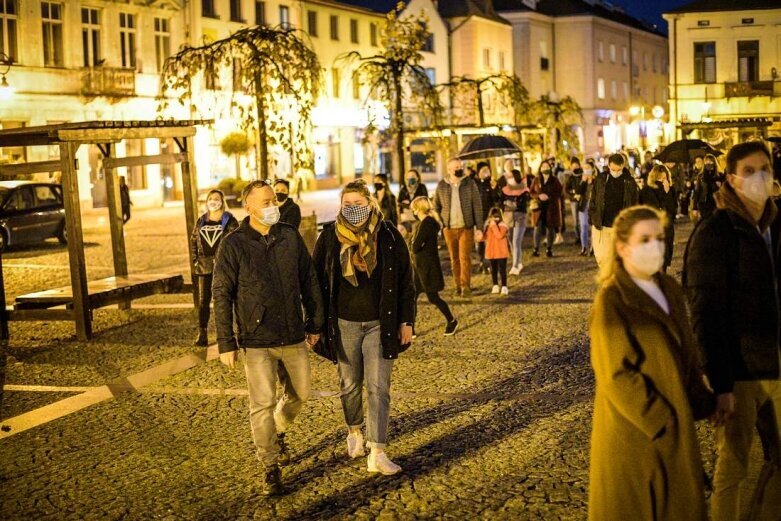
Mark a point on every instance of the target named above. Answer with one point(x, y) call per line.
point(705, 187)
point(267, 303)
point(645, 460)
point(207, 234)
point(289, 211)
point(411, 188)
point(612, 192)
point(732, 274)
point(386, 199)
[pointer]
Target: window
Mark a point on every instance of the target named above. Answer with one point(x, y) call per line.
point(501, 60)
point(373, 34)
point(625, 87)
point(311, 23)
point(8, 29)
point(284, 17)
point(544, 64)
point(705, 62)
point(645, 61)
point(612, 53)
point(353, 31)
point(207, 8)
point(260, 13)
point(748, 60)
point(162, 41)
point(236, 11)
point(127, 40)
point(21, 199)
point(624, 56)
point(600, 51)
point(653, 62)
point(335, 80)
point(428, 45)
point(51, 22)
point(334, 22)
point(664, 64)
point(90, 36)
point(487, 58)
point(601, 88)
point(45, 196)
point(356, 87)
point(613, 89)
point(431, 72)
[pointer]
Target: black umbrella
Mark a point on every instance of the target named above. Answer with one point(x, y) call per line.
point(685, 150)
point(775, 139)
point(488, 146)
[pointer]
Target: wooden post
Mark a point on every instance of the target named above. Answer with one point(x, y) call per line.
point(116, 221)
point(190, 188)
point(3, 336)
point(78, 268)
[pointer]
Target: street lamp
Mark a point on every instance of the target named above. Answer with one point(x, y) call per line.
point(6, 91)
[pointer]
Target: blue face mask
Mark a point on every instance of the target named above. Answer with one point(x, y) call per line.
point(412, 181)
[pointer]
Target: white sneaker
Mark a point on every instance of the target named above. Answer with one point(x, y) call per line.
point(355, 445)
point(495, 290)
point(559, 239)
point(379, 462)
point(505, 291)
point(514, 270)
point(519, 268)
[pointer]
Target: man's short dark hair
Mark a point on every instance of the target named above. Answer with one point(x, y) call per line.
point(249, 187)
point(282, 182)
point(574, 160)
point(616, 159)
point(742, 151)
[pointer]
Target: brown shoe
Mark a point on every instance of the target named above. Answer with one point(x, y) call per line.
point(272, 482)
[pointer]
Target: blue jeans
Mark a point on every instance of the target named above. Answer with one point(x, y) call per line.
point(519, 229)
point(584, 230)
point(360, 360)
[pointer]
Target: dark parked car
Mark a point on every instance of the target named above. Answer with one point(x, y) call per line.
point(30, 212)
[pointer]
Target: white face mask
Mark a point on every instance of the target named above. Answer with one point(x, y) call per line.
point(757, 187)
point(647, 258)
point(616, 175)
point(213, 206)
point(269, 216)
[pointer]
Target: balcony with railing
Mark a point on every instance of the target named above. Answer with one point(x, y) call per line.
point(751, 88)
point(108, 81)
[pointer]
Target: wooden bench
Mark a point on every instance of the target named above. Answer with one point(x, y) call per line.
point(101, 293)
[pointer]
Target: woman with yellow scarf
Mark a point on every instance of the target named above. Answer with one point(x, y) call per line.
point(363, 266)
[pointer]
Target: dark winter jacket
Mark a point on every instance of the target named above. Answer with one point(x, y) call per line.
point(583, 194)
point(397, 301)
point(388, 207)
point(596, 211)
point(267, 282)
point(471, 205)
point(552, 208)
point(290, 213)
point(706, 185)
point(200, 249)
point(489, 196)
point(732, 283)
point(405, 198)
point(425, 257)
point(572, 184)
point(661, 200)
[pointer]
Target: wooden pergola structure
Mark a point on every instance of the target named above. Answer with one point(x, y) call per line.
point(81, 297)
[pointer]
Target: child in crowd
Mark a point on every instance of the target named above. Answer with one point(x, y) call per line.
point(497, 249)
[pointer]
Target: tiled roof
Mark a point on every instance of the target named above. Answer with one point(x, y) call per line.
point(466, 8)
point(702, 6)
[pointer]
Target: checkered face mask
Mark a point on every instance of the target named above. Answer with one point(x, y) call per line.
point(355, 214)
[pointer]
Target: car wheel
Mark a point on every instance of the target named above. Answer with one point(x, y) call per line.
point(3, 239)
point(62, 235)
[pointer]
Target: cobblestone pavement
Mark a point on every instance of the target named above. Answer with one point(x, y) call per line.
point(491, 423)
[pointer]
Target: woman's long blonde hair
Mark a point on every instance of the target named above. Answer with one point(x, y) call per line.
point(622, 230)
point(656, 172)
point(422, 204)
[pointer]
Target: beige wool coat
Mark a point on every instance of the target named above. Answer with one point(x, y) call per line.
point(645, 460)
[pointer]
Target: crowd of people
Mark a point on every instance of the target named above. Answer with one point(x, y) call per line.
point(664, 354)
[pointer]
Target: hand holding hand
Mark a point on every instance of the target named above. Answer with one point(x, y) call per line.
point(478, 235)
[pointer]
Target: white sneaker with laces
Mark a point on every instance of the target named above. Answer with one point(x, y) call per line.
point(495, 290)
point(355, 445)
point(505, 291)
point(519, 268)
point(514, 270)
point(379, 462)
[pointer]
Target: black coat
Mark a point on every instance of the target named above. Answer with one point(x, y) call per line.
point(405, 198)
point(388, 206)
point(267, 282)
point(397, 300)
point(583, 194)
point(661, 200)
point(707, 184)
point(425, 256)
point(596, 211)
point(489, 196)
point(731, 282)
point(202, 263)
point(290, 213)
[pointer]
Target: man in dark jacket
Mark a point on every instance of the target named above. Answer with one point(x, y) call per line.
point(264, 273)
point(611, 192)
point(289, 211)
point(124, 199)
point(457, 200)
point(732, 271)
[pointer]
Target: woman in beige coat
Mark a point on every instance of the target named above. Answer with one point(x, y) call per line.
point(645, 461)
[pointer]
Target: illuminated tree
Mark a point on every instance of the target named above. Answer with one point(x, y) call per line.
point(395, 77)
point(276, 80)
point(469, 104)
point(559, 116)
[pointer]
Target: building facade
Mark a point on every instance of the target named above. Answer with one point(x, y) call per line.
point(612, 65)
point(725, 75)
